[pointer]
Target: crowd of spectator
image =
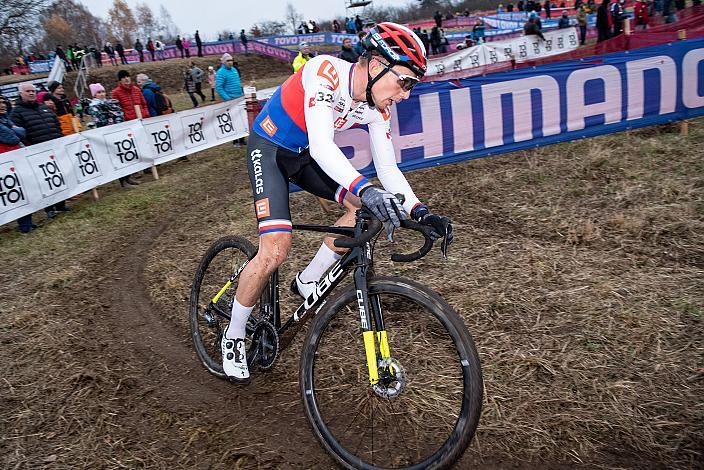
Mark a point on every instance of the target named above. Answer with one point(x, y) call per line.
point(41, 116)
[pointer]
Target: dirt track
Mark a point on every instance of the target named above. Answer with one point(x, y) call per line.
point(579, 276)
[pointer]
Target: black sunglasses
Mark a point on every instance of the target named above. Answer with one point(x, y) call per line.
point(406, 82)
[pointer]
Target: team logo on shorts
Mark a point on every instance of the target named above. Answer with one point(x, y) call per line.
point(261, 207)
point(269, 126)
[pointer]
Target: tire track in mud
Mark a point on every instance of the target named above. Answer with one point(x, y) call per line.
point(172, 374)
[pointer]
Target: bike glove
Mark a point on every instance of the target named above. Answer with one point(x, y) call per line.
point(442, 226)
point(385, 207)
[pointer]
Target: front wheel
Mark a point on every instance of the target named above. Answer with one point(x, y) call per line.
point(426, 414)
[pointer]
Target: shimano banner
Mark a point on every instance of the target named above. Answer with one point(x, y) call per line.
point(451, 121)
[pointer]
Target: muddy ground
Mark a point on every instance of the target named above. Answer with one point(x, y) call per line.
point(578, 270)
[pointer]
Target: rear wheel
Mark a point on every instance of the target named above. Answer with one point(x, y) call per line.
point(209, 320)
point(424, 411)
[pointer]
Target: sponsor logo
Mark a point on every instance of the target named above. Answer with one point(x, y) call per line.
point(261, 207)
point(328, 72)
point(11, 192)
point(257, 168)
point(161, 140)
point(195, 133)
point(339, 122)
point(362, 311)
point(48, 172)
point(224, 124)
point(311, 102)
point(82, 156)
point(269, 126)
point(122, 148)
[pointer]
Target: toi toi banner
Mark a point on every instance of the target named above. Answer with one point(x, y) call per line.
point(450, 121)
point(35, 177)
point(521, 49)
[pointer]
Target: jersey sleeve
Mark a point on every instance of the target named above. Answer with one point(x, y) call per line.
point(384, 157)
point(321, 84)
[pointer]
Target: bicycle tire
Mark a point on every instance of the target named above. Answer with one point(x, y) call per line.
point(468, 362)
point(213, 361)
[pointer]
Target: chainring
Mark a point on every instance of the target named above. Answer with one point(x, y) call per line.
point(266, 345)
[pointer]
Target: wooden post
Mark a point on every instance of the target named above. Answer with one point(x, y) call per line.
point(627, 26)
point(138, 112)
point(684, 125)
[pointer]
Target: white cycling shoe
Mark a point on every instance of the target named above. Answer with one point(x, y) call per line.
point(234, 359)
point(304, 289)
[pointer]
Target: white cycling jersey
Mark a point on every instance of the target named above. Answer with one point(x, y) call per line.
point(313, 104)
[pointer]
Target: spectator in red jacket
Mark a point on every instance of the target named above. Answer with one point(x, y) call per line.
point(129, 96)
point(640, 11)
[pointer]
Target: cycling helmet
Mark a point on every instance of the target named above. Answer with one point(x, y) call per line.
point(397, 44)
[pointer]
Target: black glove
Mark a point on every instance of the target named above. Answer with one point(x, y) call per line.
point(442, 226)
point(385, 207)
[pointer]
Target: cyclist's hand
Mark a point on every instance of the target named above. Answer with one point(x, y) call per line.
point(442, 226)
point(385, 207)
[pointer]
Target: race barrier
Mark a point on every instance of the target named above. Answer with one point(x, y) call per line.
point(451, 121)
point(37, 176)
point(314, 38)
point(519, 49)
point(441, 123)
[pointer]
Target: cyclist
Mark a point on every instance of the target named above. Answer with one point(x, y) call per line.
point(292, 140)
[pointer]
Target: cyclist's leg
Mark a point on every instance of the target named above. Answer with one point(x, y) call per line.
point(314, 180)
point(270, 188)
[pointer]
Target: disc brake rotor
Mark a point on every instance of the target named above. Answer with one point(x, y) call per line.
point(392, 379)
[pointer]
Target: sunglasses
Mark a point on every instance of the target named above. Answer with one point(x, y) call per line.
point(406, 82)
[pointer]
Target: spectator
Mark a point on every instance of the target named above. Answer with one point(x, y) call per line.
point(120, 49)
point(245, 40)
point(425, 39)
point(179, 46)
point(129, 97)
point(617, 17)
point(548, 9)
point(197, 75)
point(500, 8)
point(227, 79)
point(438, 19)
point(519, 5)
point(69, 54)
point(314, 27)
point(10, 135)
point(186, 47)
point(603, 18)
point(348, 53)
point(358, 24)
point(351, 28)
point(358, 48)
point(111, 53)
point(478, 31)
point(564, 21)
point(62, 107)
point(199, 44)
point(468, 42)
point(640, 11)
point(509, 8)
point(105, 112)
point(303, 56)
point(211, 82)
point(336, 26)
point(62, 55)
point(531, 28)
point(155, 99)
point(151, 48)
point(40, 125)
point(159, 49)
point(43, 97)
point(140, 50)
point(582, 22)
point(435, 40)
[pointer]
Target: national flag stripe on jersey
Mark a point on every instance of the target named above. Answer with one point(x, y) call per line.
point(358, 184)
point(276, 225)
point(340, 194)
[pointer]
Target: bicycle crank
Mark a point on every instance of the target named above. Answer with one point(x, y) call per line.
point(266, 341)
point(392, 379)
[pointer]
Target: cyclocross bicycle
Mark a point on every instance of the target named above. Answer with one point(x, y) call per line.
point(389, 374)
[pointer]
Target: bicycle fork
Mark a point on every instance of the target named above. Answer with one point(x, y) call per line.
point(370, 309)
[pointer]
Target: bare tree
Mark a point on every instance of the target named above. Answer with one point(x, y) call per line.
point(268, 28)
point(293, 17)
point(122, 22)
point(146, 21)
point(18, 25)
point(167, 27)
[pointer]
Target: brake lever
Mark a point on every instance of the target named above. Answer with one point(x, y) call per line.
point(445, 245)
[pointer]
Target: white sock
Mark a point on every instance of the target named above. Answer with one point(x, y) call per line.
point(320, 263)
point(238, 322)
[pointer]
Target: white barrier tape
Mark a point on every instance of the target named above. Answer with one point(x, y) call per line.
point(38, 176)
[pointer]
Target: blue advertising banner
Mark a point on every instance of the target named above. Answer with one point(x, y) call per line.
point(451, 121)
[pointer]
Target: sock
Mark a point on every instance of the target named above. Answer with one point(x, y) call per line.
point(238, 322)
point(320, 263)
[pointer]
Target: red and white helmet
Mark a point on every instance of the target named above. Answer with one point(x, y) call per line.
point(397, 44)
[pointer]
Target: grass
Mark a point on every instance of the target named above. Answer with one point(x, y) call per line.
point(577, 269)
